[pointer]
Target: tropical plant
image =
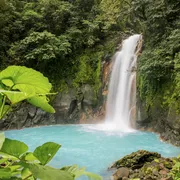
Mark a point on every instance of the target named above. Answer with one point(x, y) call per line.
point(17, 163)
point(175, 172)
point(18, 83)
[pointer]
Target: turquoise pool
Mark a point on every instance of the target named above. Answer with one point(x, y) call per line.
point(90, 145)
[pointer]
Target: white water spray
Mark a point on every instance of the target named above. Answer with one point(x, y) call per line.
point(121, 86)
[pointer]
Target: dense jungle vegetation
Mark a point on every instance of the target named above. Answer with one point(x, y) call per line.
point(66, 40)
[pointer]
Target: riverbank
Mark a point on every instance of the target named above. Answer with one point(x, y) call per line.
point(146, 165)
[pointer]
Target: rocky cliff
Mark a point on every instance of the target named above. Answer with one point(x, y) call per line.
point(162, 120)
point(73, 106)
point(26, 115)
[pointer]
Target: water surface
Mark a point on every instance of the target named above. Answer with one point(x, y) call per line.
point(90, 145)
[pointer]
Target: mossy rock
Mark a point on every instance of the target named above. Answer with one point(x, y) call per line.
point(136, 160)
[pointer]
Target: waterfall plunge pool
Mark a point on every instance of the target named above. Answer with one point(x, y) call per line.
point(90, 146)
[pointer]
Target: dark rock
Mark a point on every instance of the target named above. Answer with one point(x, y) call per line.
point(121, 173)
point(72, 107)
point(77, 105)
point(163, 120)
point(32, 112)
point(163, 172)
point(26, 115)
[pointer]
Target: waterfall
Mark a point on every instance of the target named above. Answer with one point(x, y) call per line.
point(121, 91)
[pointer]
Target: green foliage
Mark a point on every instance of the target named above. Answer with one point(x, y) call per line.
point(40, 49)
point(51, 36)
point(2, 138)
point(84, 75)
point(17, 163)
point(89, 70)
point(158, 73)
point(18, 83)
point(175, 172)
point(114, 14)
point(79, 172)
point(61, 39)
point(9, 147)
point(46, 152)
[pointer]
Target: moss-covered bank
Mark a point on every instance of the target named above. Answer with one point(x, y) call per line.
point(145, 165)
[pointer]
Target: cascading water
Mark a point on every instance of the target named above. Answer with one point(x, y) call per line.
point(121, 89)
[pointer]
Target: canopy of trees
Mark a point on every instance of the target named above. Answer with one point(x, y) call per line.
point(67, 39)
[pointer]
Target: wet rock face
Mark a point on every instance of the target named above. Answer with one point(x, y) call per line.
point(121, 173)
point(143, 165)
point(84, 105)
point(73, 106)
point(164, 121)
point(26, 115)
point(77, 106)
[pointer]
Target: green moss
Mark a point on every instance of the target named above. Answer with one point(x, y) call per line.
point(136, 159)
point(88, 67)
point(159, 72)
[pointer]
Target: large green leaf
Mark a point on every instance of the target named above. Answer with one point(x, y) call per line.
point(26, 174)
point(49, 173)
point(14, 147)
point(80, 172)
point(41, 101)
point(2, 138)
point(3, 160)
point(8, 82)
point(15, 167)
point(46, 152)
point(1, 99)
point(29, 156)
point(5, 173)
point(16, 96)
point(5, 110)
point(32, 85)
point(24, 78)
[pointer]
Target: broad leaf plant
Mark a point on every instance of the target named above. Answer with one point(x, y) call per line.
point(18, 83)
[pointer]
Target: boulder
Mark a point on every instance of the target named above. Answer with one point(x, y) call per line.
point(136, 159)
point(121, 173)
point(144, 165)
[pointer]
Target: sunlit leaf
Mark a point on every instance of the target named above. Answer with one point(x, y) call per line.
point(25, 83)
point(8, 82)
point(46, 152)
point(25, 173)
point(2, 138)
point(5, 173)
point(47, 173)
point(16, 96)
point(24, 77)
point(80, 172)
point(14, 167)
point(41, 101)
point(6, 109)
point(14, 147)
point(30, 157)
